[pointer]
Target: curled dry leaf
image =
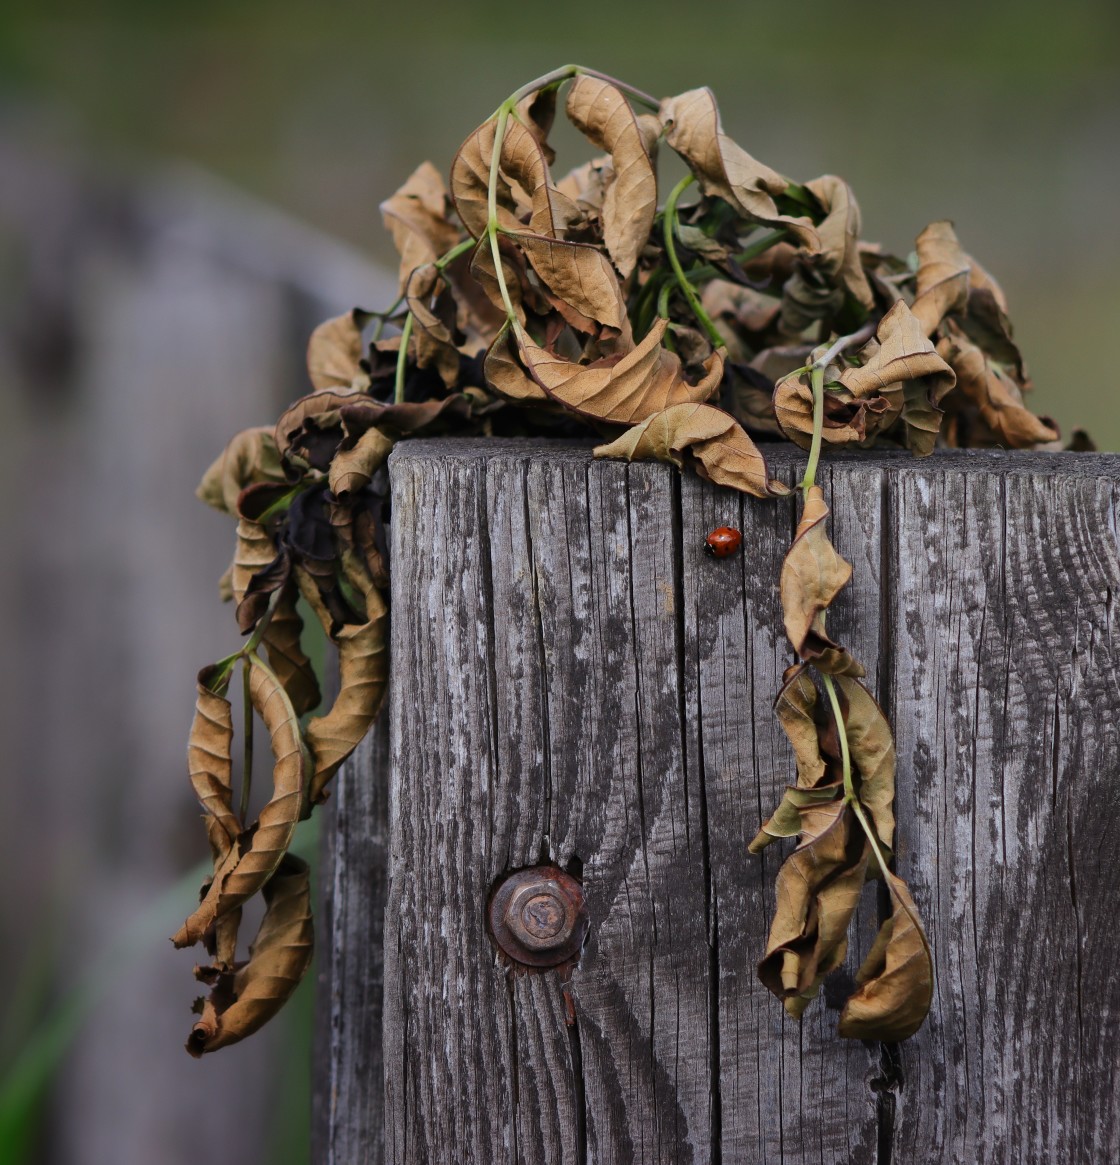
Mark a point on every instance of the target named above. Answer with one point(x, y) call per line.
point(241, 1001)
point(249, 459)
point(724, 169)
point(210, 765)
point(995, 395)
point(525, 161)
point(506, 374)
point(943, 273)
point(871, 746)
point(818, 888)
point(839, 259)
point(312, 408)
point(813, 574)
point(352, 469)
point(603, 115)
point(259, 849)
point(581, 276)
point(282, 643)
point(432, 304)
point(416, 217)
point(334, 350)
point(363, 665)
point(470, 180)
point(624, 389)
point(902, 367)
point(722, 450)
point(795, 707)
point(896, 979)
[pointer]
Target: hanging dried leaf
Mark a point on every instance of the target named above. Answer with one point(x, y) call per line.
point(818, 888)
point(721, 449)
point(260, 848)
point(871, 746)
point(896, 979)
point(363, 666)
point(286, 657)
point(724, 169)
point(334, 350)
point(210, 765)
point(813, 574)
point(242, 1001)
point(416, 217)
point(352, 469)
point(319, 409)
point(604, 116)
point(942, 276)
point(250, 458)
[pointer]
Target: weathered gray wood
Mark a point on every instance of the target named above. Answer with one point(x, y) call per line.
point(575, 680)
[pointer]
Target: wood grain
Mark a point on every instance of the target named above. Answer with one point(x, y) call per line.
point(575, 681)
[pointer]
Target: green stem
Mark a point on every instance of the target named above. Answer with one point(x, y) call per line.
point(492, 210)
point(669, 224)
point(247, 762)
point(450, 256)
point(872, 837)
point(379, 327)
point(565, 73)
point(841, 728)
point(816, 379)
point(402, 360)
point(663, 301)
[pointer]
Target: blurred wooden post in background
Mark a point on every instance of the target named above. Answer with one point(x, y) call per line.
point(574, 680)
point(146, 321)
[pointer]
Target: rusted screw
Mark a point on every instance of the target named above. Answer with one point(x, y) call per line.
point(537, 917)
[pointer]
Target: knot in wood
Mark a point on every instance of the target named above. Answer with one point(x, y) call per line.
point(537, 917)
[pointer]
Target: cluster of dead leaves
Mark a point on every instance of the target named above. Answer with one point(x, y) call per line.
point(588, 304)
point(841, 809)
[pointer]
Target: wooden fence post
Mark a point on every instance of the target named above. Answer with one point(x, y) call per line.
point(574, 681)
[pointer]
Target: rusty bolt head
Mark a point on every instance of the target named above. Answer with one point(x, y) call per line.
point(537, 917)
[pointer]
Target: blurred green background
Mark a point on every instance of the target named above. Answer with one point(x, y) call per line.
point(1001, 116)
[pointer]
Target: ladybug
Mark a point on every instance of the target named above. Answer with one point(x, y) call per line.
point(723, 542)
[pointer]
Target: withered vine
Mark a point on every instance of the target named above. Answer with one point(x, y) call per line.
point(683, 333)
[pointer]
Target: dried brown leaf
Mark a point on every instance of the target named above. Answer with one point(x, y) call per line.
point(506, 374)
point(604, 116)
point(210, 765)
point(434, 310)
point(251, 457)
point(416, 217)
point(871, 746)
point(259, 849)
point(896, 979)
point(625, 389)
point(242, 1001)
point(818, 888)
point(363, 664)
point(722, 450)
point(723, 168)
point(580, 275)
point(352, 469)
point(282, 643)
point(839, 257)
point(334, 350)
point(943, 271)
point(813, 574)
point(995, 394)
point(470, 182)
point(318, 408)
